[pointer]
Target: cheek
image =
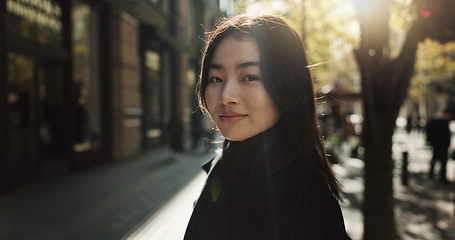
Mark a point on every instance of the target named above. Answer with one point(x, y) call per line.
point(268, 106)
point(255, 97)
point(211, 98)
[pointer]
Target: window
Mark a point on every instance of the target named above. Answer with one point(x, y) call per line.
point(86, 77)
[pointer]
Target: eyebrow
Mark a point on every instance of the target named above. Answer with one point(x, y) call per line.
point(241, 65)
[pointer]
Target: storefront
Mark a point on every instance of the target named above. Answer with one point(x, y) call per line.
point(51, 88)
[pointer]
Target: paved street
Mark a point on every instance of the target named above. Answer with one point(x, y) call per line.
point(424, 208)
point(151, 197)
point(103, 203)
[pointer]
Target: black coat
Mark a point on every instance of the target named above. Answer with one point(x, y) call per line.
point(438, 133)
point(289, 203)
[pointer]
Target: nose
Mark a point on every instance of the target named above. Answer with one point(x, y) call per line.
point(230, 93)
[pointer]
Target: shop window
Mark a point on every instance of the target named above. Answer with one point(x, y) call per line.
point(152, 99)
point(86, 77)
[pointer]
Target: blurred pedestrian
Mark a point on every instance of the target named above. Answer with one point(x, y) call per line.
point(438, 134)
point(272, 179)
point(416, 122)
point(409, 124)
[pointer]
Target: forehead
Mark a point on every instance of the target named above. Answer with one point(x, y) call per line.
point(235, 49)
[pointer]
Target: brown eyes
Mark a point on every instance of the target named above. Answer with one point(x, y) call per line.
point(249, 78)
point(215, 80)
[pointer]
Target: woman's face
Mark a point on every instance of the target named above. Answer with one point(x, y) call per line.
point(235, 94)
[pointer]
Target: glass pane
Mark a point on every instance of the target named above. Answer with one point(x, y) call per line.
point(152, 96)
point(52, 126)
point(153, 66)
point(38, 21)
point(21, 111)
point(86, 77)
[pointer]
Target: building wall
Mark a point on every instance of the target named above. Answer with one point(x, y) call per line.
point(126, 86)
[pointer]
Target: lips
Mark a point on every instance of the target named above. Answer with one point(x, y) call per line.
point(232, 117)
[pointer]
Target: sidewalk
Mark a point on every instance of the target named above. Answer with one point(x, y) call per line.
point(424, 208)
point(102, 203)
point(169, 223)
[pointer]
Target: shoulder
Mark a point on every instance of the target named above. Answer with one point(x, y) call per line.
point(318, 214)
point(302, 190)
point(318, 210)
point(303, 179)
point(299, 205)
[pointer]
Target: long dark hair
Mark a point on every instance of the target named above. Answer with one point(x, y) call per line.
point(287, 80)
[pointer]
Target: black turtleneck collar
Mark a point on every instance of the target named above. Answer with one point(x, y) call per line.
point(264, 153)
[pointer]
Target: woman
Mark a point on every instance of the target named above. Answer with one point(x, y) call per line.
point(273, 179)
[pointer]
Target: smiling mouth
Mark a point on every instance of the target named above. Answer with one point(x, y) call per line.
point(231, 118)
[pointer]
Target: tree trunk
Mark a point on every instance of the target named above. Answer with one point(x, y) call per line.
point(384, 83)
point(378, 209)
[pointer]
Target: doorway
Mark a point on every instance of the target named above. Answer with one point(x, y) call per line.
point(37, 120)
